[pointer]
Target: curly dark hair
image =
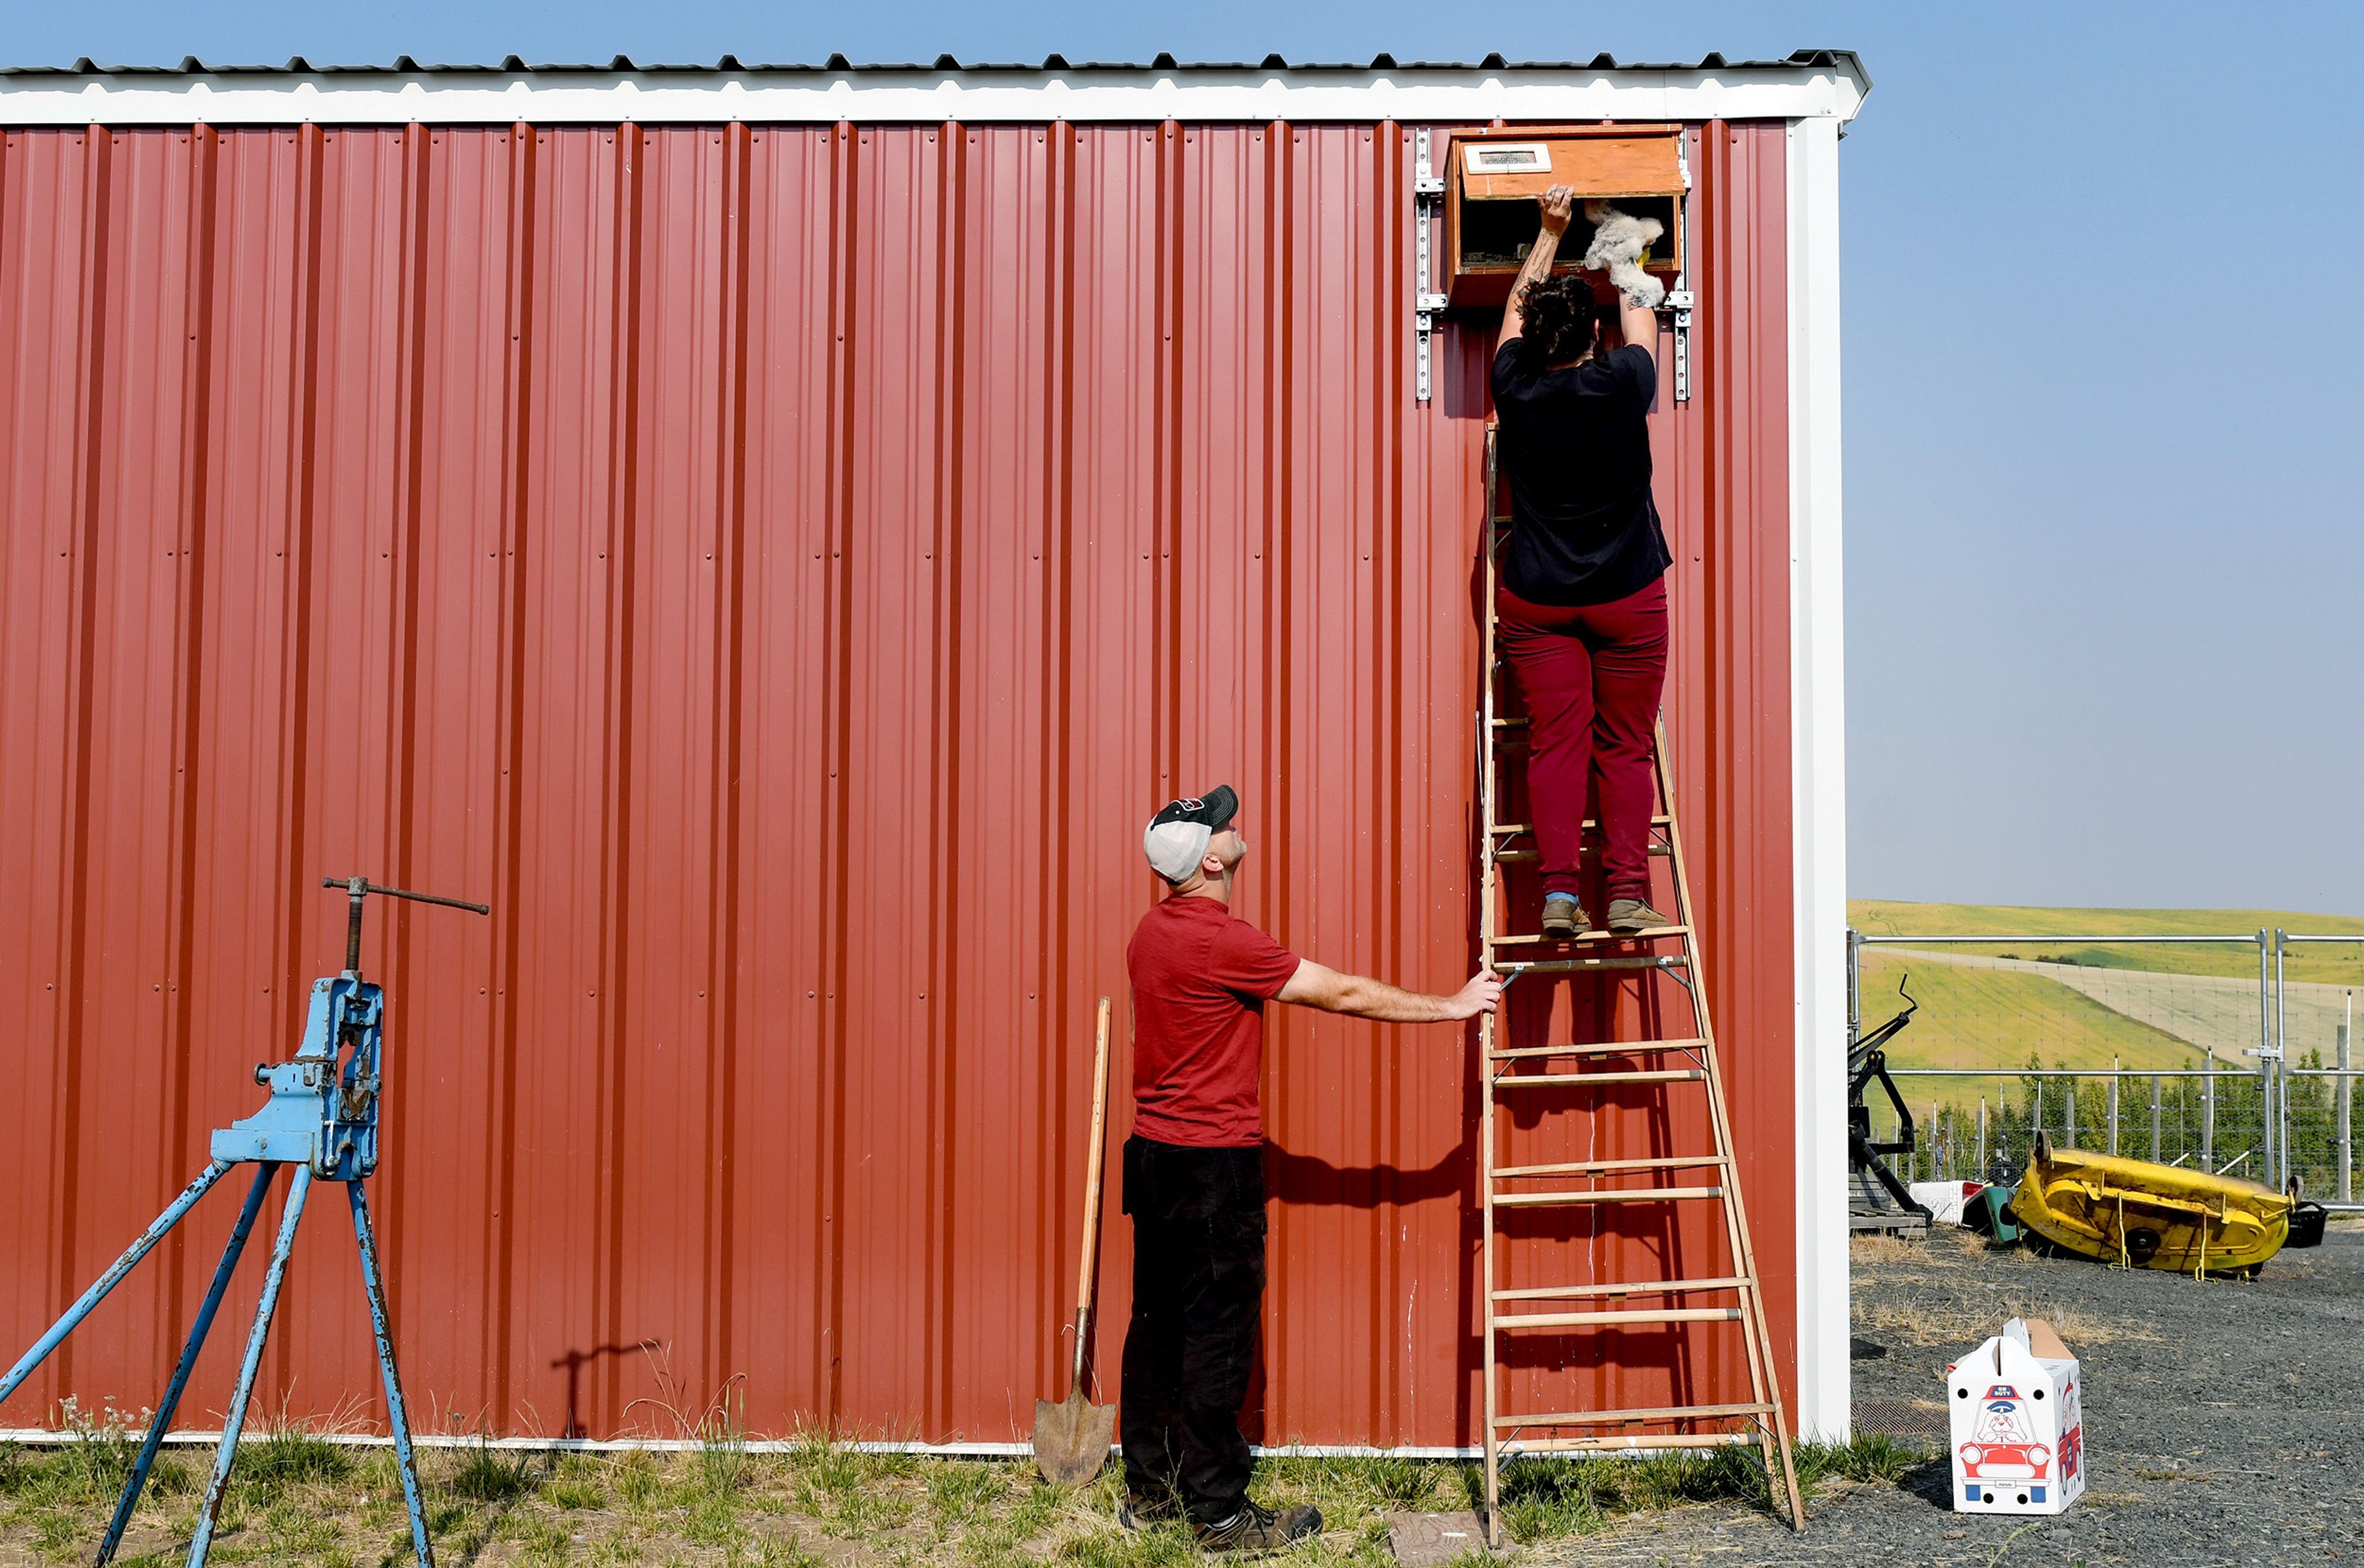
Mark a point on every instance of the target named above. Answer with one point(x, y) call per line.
point(1560, 315)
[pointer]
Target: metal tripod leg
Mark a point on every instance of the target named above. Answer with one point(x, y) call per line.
point(112, 1277)
point(263, 1175)
point(218, 1486)
point(396, 1416)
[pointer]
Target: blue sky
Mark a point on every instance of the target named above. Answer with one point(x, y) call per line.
point(2105, 575)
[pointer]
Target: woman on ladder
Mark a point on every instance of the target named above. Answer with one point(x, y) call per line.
point(1581, 606)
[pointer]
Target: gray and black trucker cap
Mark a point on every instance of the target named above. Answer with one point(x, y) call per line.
point(1177, 838)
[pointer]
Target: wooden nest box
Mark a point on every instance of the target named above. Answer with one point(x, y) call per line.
point(1493, 176)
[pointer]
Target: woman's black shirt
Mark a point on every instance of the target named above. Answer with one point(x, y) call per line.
point(1575, 449)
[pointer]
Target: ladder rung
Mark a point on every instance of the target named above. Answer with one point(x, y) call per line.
point(1616, 1418)
point(1520, 723)
point(1610, 1195)
point(1597, 1048)
point(1571, 965)
point(1586, 1319)
point(1526, 857)
point(1642, 1287)
point(1655, 933)
point(1644, 1439)
point(1579, 1080)
point(1590, 825)
point(1602, 1167)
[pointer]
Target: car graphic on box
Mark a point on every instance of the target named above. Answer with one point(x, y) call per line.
point(2005, 1462)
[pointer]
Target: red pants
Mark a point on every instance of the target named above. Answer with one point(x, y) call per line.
point(1591, 677)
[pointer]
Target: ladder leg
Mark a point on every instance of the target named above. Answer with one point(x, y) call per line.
point(218, 1487)
point(1490, 1028)
point(1773, 1431)
point(264, 1174)
point(396, 1418)
point(1488, 1406)
point(1756, 1337)
point(111, 1278)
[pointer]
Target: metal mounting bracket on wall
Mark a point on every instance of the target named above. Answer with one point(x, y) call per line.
point(1428, 196)
point(1678, 300)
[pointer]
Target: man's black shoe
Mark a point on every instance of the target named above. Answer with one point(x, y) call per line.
point(1138, 1513)
point(1259, 1528)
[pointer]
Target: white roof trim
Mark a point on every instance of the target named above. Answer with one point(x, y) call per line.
point(875, 96)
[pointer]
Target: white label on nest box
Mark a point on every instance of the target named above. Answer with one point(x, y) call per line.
point(1506, 157)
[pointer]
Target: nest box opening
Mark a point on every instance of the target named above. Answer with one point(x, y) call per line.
point(1493, 177)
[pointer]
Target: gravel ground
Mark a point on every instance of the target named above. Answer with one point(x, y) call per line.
point(2224, 1421)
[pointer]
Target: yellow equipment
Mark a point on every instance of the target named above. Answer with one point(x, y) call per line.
point(2146, 1215)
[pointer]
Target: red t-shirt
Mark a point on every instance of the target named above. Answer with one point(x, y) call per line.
point(1199, 981)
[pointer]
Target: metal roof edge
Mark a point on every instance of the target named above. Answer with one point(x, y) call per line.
point(1809, 84)
point(407, 65)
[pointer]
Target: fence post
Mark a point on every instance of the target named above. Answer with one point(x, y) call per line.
point(2069, 1114)
point(2035, 1122)
point(2265, 1058)
point(2208, 1114)
point(2266, 1122)
point(2155, 1151)
point(2113, 1107)
point(1981, 1172)
point(2344, 1096)
point(2281, 1073)
point(1853, 985)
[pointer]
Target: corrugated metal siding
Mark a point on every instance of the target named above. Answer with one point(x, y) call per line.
point(781, 569)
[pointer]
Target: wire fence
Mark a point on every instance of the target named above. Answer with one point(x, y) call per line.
point(2229, 1053)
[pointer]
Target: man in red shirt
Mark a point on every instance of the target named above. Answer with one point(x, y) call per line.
point(1193, 1172)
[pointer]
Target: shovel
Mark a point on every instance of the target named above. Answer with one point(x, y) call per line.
point(1072, 1438)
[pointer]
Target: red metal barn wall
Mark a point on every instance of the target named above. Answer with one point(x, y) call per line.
point(780, 569)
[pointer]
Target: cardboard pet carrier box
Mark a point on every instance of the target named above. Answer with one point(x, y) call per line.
point(2018, 1424)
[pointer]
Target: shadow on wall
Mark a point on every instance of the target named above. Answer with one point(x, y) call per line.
point(1311, 1181)
point(1308, 1181)
point(575, 1361)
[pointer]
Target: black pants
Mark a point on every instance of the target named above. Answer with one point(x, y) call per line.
point(1198, 1286)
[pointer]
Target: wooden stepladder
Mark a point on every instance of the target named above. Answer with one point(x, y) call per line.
point(1550, 1088)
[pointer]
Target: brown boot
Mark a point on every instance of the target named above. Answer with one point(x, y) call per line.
point(1139, 1512)
point(1255, 1529)
point(1564, 918)
point(1627, 915)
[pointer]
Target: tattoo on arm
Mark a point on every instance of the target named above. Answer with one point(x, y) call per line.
point(1538, 264)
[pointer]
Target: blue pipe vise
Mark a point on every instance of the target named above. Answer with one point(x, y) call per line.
point(320, 1122)
point(323, 1106)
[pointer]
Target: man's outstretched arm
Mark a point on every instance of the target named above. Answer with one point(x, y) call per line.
point(1317, 985)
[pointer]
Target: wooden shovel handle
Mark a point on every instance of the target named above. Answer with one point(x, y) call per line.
point(1094, 1149)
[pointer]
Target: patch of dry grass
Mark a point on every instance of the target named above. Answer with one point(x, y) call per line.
point(1902, 1294)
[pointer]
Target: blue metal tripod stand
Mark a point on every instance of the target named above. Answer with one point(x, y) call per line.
point(321, 1118)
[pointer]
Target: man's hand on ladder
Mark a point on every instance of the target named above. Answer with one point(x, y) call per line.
point(1482, 995)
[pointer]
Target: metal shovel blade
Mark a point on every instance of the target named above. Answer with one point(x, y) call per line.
point(1072, 1438)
